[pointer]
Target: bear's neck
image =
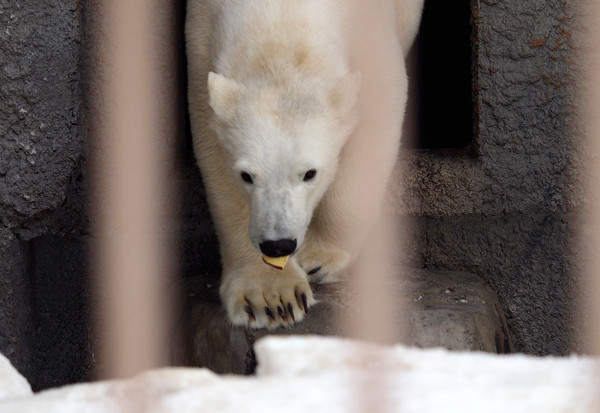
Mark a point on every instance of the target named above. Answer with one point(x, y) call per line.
point(273, 62)
point(277, 47)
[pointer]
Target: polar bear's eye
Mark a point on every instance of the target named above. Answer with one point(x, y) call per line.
point(246, 177)
point(310, 175)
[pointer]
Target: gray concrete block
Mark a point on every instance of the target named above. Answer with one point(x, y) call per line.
point(40, 103)
point(458, 311)
point(447, 309)
point(527, 259)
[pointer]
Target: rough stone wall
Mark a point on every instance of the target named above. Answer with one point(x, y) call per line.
point(503, 210)
point(41, 159)
point(39, 107)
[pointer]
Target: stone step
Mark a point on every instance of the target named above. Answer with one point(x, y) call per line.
point(454, 310)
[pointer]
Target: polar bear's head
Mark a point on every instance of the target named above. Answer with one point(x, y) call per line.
point(282, 145)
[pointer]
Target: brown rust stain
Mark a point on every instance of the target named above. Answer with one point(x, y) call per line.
point(536, 41)
point(553, 80)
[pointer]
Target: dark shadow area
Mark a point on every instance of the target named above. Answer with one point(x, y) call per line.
point(440, 106)
point(200, 247)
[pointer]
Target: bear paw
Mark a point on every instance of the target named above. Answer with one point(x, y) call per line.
point(322, 262)
point(258, 296)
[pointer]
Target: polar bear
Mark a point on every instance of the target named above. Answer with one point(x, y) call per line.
point(296, 110)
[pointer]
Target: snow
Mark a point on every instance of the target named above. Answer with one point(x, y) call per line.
point(12, 384)
point(313, 374)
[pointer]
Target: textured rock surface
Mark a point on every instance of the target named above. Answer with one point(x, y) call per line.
point(41, 159)
point(506, 209)
point(41, 146)
point(454, 310)
point(525, 62)
point(457, 311)
point(526, 258)
point(43, 311)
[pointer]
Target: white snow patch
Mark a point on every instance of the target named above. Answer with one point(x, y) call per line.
point(12, 384)
point(314, 374)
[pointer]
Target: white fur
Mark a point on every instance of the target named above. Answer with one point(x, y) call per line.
point(278, 88)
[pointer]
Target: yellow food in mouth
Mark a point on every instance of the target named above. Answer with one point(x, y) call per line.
point(276, 262)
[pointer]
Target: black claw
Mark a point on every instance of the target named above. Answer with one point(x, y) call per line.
point(314, 271)
point(281, 312)
point(269, 313)
point(291, 311)
point(304, 302)
point(250, 313)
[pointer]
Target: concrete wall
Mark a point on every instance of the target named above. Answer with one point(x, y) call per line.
point(504, 212)
point(42, 153)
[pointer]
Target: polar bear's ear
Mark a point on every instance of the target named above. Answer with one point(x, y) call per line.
point(344, 95)
point(223, 96)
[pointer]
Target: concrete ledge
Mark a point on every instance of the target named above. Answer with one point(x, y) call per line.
point(454, 310)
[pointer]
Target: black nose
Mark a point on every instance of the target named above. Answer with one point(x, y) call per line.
point(279, 248)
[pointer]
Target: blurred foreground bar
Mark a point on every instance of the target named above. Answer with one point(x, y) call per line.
point(590, 240)
point(133, 94)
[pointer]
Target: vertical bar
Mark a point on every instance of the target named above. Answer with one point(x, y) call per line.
point(376, 281)
point(591, 115)
point(376, 275)
point(376, 53)
point(133, 109)
point(377, 316)
point(589, 239)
